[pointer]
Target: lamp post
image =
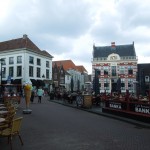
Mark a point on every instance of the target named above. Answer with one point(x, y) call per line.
point(1, 60)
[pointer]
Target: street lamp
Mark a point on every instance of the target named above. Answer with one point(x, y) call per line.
point(1, 60)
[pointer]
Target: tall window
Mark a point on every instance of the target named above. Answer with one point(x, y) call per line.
point(19, 59)
point(38, 62)
point(122, 69)
point(106, 86)
point(130, 81)
point(11, 60)
point(11, 71)
point(31, 60)
point(31, 71)
point(47, 73)
point(113, 70)
point(19, 71)
point(38, 72)
point(105, 70)
point(123, 84)
point(47, 64)
point(130, 70)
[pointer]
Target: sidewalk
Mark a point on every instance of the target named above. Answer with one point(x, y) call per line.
point(98, 110)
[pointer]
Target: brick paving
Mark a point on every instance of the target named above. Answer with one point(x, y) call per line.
point(53, 126)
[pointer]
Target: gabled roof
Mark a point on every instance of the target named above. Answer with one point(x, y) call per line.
point(67, 64)
point(81, 69)
point(21, 43)
point(121, 50)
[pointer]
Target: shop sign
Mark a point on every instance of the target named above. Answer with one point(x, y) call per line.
point(142, 109)
point(115, 105)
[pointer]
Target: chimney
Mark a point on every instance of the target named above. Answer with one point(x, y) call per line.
point(113, 44)
point(25, 36)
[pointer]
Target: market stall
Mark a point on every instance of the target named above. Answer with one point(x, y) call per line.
point(11, 93)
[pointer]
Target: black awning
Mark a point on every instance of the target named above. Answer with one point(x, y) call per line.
point(40, 83)
point(34, 82)
point(16, 81)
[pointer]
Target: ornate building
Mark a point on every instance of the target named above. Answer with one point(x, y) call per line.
point(112, 64)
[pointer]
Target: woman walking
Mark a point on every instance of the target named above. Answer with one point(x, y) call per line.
point(40, 93)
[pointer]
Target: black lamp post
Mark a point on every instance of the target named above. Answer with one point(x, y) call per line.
point(1, 60)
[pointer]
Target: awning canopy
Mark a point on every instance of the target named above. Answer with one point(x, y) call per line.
point(16, 81)
point(40, 83)
point(34, 82)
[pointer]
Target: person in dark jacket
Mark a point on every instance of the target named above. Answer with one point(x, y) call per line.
point(32, 96)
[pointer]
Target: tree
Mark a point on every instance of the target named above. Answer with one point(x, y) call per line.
point(96, 83)
point(72, 85)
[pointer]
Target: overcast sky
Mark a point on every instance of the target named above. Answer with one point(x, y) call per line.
point(67, 29)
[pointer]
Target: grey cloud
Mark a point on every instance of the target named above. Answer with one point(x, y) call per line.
point(133, 14)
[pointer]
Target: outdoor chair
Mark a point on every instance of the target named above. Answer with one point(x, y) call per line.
point(12, 131)
point(8, 120)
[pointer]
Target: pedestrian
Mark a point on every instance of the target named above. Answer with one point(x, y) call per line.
point(40, 93)
point(32, 96)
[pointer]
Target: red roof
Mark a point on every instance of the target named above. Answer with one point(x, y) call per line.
point(68, 64)
point(81, 68)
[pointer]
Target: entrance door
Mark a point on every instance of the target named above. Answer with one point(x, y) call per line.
point(114, 87)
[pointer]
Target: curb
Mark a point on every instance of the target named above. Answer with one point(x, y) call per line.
point(131, 121)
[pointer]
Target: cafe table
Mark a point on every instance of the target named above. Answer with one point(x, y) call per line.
point(2, 119)
point(144, 100)
point(3, 112)
point(2, 107)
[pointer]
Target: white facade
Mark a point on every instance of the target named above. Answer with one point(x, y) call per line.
point(67, 82)
point(77, 76)
point(24, 54)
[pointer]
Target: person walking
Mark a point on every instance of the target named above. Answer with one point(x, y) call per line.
point(40, 93)
point(32, 96)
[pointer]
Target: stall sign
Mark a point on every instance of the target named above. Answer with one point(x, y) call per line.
point(142, 109)
point(115, 105)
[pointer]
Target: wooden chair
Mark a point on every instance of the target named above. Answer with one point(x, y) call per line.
point(12, 131)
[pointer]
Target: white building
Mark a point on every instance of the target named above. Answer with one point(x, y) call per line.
point(76, 73)
point(22, 60)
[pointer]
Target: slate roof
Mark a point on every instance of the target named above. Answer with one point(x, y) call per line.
point(121, 50)
point(21, 43)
